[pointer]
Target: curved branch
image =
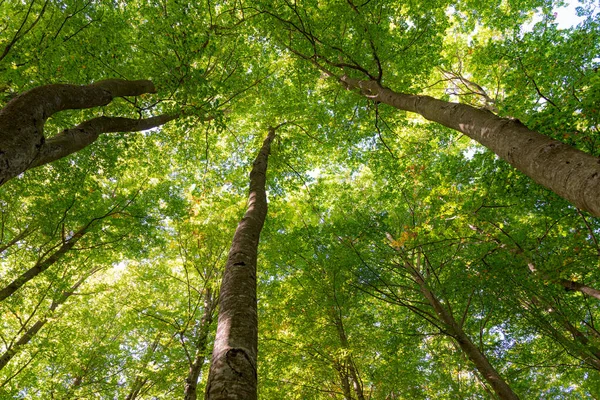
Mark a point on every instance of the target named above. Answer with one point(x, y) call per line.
point(22, 119)
point(72, 140)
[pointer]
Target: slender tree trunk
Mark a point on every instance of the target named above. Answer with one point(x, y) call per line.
point(42, 265)
point(35, 328)
point(580, 287)
point(22, 235)
point(191, 381)
point(22, 141)
point(356, 382)
point(46, 262)
point(580, 346)
point(590, 353)
point(466, 344)
point(344, 380)
point(140, 380)
point(233, 367)
point(568, 172)
point(351, 373)
point(72, 140)
point(566, 283)
point(136, 388)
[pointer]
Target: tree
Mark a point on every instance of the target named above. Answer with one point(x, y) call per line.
point(567, 171)
point(481, 257)
point(23, 144)
point(233, 371)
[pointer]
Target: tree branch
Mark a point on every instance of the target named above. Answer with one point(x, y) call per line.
point(72, 140)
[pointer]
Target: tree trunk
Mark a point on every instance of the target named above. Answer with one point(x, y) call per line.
point(136, 388)
point(568, 172)
point(140, 380)
point(22, 141)
point(43, 265)
point(20, 236)
point(580, 287)
point(351, 373)
point(35, 328)
point(356, 382)
point(191, 381)
point(466, 344)
point(567, 284)
point(344, 380)
point(233, 367)
point(72, 140)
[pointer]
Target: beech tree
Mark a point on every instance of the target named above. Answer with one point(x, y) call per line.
point(567, 171)
point(233, 365)
point(433, 210)
point(23, 144)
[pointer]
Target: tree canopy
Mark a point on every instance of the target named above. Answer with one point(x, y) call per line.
point(433, 186)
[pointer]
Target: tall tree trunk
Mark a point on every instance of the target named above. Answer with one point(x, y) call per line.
point(344, 380)
point(351, 372)
point(580, 287)
point(232, 372)
point(35, 328)
point(22, 141)
point(568, 172)
point(20, 236)
point(136, 388)
point(466, 344)
point(191, 381)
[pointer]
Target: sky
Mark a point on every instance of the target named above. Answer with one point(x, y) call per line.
point(566, 17)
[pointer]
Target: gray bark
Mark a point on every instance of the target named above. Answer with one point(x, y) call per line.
point(46, 261)
point(232, 372)
point(580, 345)
point(22, 141)
point(140, 380)
point(72, 140)
point(568, 172)
point(20, 236)
point(580, 287)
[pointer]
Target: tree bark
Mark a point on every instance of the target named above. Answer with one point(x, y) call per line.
point(569, 285)
point(140, 380)
point(72, 140)
point(46, 262)
point(580, 346)
point(138, 385)
point(568, 172)
point(20, 236)
point(191, 381)
point(232, 372)
point(344, 380)
point(22, 141)
point(466, 344)
point(580, 287)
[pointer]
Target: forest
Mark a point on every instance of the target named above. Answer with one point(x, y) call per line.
point(299, 199)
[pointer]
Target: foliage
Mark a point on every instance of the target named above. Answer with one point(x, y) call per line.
point(356, 190)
